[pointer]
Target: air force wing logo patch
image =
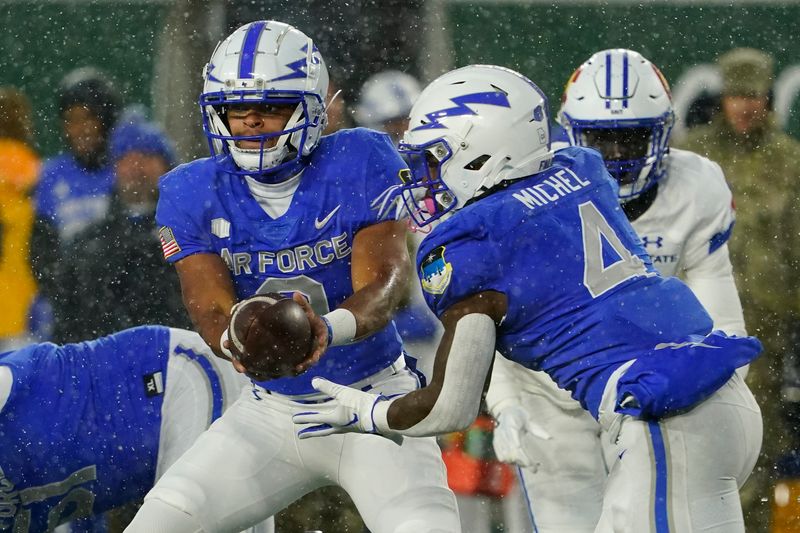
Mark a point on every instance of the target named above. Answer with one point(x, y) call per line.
point(435, 272)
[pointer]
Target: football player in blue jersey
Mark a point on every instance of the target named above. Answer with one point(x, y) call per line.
point(279, 208)
point(680, 205)
point(538, 261)
point(88, 427)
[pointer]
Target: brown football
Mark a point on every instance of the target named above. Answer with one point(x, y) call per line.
point(271, 334)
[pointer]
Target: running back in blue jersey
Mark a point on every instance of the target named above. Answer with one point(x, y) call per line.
point(75, 439)
point(204, 209)
point(583, 296)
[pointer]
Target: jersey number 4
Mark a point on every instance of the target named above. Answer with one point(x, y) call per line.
point(607, 262)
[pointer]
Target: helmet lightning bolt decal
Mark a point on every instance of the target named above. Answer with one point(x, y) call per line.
point(495, 98)
point(297, 70)
point(298, 67)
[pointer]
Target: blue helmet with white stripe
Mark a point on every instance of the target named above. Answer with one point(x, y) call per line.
point(469, 130)
point(619, 103)
point(266, 62)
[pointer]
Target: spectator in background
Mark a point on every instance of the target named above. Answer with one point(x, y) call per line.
point(119, 257)
point(762, 165)
point(19, 170)
point(75, 187)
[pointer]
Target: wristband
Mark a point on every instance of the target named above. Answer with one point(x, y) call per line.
point(341, 326)
point(380, 413)
point(224, 337)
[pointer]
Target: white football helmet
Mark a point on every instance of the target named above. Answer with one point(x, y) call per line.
point(620, 103)
point(387, 95)
point(273, 63)
point(470, 130)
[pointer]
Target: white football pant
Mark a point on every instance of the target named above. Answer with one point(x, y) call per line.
point(681, 474)
point(249, 465)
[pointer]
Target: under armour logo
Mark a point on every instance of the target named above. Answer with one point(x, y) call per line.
point(657, 242)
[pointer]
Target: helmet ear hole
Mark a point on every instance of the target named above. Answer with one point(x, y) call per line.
point(478, 162)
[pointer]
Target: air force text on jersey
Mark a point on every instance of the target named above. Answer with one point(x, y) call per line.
point(560, 184)
point(297, 259)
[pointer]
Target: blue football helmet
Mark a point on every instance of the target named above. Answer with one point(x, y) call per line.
point(619, 103)
point(266, 62)
point(470, 130)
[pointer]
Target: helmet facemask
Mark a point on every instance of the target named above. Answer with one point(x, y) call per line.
point(285, 152)
point(620, 104)
point(424, 194)
point(634, 151)
point(266, 63)
point(471, 130)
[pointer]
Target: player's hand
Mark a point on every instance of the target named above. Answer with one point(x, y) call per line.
point(229, 350)
point(513, 423)
point(318, 329)
point(349, 411)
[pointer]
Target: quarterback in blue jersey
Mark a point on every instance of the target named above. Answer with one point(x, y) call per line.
point(87, 427)
point(538, 261)
point(278, 208)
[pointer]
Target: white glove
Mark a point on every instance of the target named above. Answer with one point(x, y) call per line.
point(513, 423)
point(350, 410)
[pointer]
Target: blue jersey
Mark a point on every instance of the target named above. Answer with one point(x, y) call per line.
point(70, 196)
point(204, 209)
point(75, 439)
point(583, 296)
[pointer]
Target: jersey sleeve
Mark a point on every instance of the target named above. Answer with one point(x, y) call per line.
point(383, 166)
point(715, 216)
point(707, 268)
point(180, 227)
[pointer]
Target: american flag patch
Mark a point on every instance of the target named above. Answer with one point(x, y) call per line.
point(168, 243)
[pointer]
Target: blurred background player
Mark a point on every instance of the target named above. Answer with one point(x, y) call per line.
point(385, 100)
point(120, 253)
point(87, 427)
point(19, 170)
point(278, 208)
point(681, 207)
point(538, 261)
point(763, 166)
point(75, 187)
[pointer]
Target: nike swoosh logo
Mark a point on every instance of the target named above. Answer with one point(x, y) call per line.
point(319, 224)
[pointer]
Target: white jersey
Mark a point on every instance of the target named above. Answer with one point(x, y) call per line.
point(685, 231)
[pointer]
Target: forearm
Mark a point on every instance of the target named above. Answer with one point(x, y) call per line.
point(374, 304)
point(452, 401)
point(210, 322)
point(381, 272)
point(208, 295)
